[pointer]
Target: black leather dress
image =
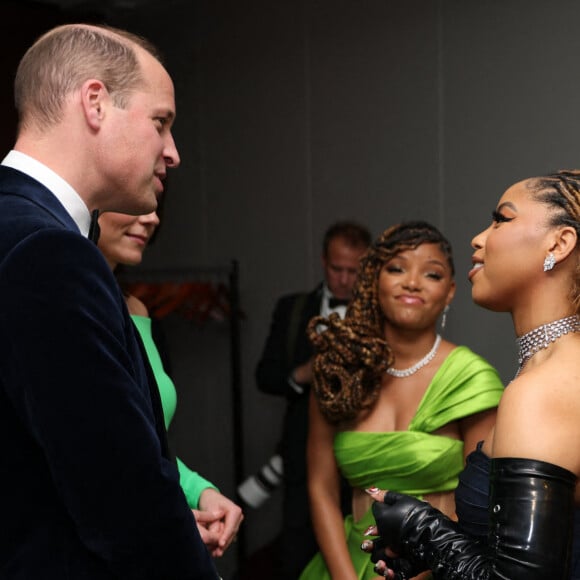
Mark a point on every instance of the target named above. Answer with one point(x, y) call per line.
point(472, 499)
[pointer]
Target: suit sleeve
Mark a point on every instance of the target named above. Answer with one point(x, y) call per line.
point(72, 371)
point(273, 369)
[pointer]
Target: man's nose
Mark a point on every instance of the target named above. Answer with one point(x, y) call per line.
point(170, 153)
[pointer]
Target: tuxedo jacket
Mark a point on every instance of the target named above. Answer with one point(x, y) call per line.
point(280, 356)
point(87, 490)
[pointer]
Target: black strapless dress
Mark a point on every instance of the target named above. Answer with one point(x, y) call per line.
point(472, 499)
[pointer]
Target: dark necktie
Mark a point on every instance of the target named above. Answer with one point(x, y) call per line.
point(94, 228)
point(334, 302)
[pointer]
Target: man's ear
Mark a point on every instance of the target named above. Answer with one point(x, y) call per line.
point(94, 96)
point(564, 243)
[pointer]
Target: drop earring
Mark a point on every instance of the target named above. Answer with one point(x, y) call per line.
point(549, 262)
point(444, 317)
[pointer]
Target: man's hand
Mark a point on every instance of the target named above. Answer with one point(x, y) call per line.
point(303, 373)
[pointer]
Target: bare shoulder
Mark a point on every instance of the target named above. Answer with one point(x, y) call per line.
point(136, 306)
point(539, 414)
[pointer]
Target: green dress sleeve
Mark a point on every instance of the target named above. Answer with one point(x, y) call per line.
point(191, 482)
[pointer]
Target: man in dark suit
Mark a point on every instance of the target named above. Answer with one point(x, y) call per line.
point(87, 487)
point(285, 369)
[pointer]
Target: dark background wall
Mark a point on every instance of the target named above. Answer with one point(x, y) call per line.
point(296, 113)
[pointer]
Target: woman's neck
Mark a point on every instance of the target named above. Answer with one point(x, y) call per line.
point(409, 345)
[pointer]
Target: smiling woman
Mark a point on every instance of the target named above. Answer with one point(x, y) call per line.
point(123, 239)
point(406, 427)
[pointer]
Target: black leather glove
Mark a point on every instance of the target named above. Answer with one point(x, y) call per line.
point(402, 568)
point(427, 539)
point(530, 534)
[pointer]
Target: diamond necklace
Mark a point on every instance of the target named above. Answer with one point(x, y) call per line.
point(402, 373)
point(543, 336)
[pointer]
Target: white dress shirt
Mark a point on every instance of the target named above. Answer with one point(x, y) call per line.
point(69, 198)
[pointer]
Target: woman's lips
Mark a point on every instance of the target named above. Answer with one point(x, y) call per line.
point(477, 266)
point(139, 239)
point(410, 299)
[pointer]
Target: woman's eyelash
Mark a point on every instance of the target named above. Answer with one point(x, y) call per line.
point(498, 217)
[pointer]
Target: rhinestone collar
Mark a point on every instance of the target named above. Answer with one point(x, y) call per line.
point(543, 336)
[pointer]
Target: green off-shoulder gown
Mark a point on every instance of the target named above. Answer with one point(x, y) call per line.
point(414, 461)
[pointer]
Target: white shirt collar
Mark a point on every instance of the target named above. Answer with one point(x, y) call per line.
point(69, 198)
point(325, 310)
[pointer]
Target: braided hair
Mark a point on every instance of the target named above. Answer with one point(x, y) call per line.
point(352, 354)
point(560, 191)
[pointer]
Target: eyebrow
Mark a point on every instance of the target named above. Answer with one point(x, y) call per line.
point(168, 114)
point(431, 261)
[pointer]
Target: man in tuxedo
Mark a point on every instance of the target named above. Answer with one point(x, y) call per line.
point(285, 369)
point(87, 488)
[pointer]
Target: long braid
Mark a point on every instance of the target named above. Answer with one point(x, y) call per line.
point(352, 354)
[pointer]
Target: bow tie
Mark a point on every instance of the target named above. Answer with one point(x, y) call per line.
point(334, 302)
point(94, 228)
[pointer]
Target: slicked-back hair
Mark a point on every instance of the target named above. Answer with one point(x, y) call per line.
point(352, 233)
point(61, 60)
point(560, 192)
point(352, 354)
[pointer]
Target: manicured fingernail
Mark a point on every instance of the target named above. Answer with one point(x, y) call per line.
point(366, 545)
point(372, 490)
point(370, 531)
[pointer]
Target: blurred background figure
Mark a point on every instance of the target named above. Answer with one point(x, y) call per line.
point(285, 370)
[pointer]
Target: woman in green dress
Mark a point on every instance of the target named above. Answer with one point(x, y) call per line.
point(123, 239)
point(394, 404)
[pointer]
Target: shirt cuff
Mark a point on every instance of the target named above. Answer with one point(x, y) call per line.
point(295, 386)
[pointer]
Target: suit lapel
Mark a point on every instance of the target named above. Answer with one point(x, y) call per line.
point(16, 183)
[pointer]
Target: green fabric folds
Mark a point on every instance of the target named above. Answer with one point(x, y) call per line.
point(414, 461)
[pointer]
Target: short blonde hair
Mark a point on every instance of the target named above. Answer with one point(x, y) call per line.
point(65, 57)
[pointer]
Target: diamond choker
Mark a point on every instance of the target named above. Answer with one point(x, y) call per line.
point(531, 342)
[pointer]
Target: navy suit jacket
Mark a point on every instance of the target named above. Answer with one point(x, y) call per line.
point(86, 488)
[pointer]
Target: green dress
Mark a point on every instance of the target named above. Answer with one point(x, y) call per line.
point(414, 461)
point(191, 482)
